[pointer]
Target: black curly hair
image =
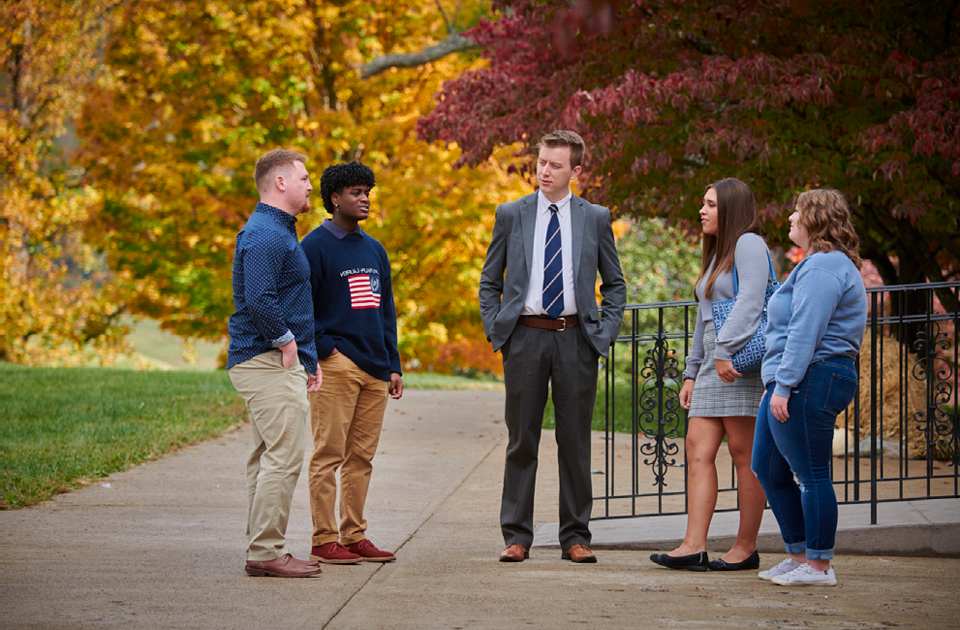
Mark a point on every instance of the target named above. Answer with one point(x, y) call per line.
point(337, 177)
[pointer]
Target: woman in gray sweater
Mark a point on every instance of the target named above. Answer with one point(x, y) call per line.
point(721, 401)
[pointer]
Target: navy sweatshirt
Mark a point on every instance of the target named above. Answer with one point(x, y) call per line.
point(353, 307)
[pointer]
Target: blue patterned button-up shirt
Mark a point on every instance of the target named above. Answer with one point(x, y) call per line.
point(271, 290)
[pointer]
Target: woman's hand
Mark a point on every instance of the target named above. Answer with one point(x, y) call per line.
point(686, 393)
point(726, 372)
point(778, 407)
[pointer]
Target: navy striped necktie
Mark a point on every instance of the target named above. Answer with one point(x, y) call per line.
point(553, 267)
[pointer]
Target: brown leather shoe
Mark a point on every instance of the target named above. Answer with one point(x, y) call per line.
point(514, 553)
point(578, 554)
point(285, 566)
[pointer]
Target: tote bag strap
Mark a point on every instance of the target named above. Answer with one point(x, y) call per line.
point(772, 278)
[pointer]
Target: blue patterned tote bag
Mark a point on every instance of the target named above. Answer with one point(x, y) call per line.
point(749, 358)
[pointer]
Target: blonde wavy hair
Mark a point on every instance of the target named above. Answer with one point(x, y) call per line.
point(825, 215)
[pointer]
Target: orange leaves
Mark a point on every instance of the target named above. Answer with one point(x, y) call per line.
point(172, 111)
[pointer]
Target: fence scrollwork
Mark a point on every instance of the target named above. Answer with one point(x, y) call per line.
point(660, 414)
point(937, 422)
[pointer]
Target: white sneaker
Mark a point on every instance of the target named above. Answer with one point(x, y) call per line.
point(805, 575)
point(786, 566)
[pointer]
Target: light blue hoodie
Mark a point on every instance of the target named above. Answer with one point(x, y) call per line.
point(820, 311)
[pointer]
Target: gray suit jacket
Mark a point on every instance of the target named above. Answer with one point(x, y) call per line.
point(506, 271)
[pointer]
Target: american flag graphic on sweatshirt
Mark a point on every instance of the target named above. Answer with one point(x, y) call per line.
point(364, 291)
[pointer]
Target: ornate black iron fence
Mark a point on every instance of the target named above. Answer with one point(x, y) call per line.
point(898, 441)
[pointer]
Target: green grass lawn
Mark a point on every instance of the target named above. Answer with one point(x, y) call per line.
point(64, 427)
point(428, 380)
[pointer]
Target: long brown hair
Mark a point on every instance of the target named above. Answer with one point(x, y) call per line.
point(825, 215)
point(736, 215)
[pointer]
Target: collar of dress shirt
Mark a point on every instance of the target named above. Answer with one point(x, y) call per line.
point(543, 204)
point(338, 231)
point(286, 218)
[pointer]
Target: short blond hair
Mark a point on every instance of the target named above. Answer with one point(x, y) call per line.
point(271, 162)
point(825, 215)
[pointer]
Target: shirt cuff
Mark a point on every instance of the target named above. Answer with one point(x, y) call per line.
point(282, 341)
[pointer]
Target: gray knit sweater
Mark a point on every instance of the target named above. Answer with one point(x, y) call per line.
point(753, 275)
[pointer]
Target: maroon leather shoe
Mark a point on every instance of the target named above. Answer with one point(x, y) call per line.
point(579, 554)
point(285, 567)
point(368, 552)
point(334, 553)
point(514, 553)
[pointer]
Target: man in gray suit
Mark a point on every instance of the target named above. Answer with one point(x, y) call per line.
point(537, 300)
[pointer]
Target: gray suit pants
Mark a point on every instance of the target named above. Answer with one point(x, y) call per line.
point(532, 359)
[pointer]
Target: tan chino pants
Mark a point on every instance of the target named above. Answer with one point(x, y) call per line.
point(276, 399)
point(346, 416)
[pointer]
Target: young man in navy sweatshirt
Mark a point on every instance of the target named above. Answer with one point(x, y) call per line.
point(356, 335)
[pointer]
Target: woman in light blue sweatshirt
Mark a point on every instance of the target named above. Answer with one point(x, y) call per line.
point(815, 325)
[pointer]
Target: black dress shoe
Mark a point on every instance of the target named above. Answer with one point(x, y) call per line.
point(751, 563)
point(693, 562)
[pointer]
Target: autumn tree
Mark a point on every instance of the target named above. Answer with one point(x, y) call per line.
point(671, 95)
point(193, 93)
point(59, 303)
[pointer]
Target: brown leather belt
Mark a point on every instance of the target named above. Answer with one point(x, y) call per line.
point(547, 323)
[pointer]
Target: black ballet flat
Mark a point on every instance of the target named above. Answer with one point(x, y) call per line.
point(750, 564)
point(693, 562)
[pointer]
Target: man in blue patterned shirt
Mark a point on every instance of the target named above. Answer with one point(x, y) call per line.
point(272, 358)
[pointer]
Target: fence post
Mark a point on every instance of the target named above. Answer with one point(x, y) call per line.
point(873, 408)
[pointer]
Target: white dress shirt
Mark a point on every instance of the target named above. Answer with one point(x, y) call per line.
point(534, 302)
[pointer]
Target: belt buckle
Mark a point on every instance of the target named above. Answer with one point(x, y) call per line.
point(563, 321)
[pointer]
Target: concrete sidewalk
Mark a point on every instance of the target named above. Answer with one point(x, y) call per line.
point(908, 528)
point(161, 546)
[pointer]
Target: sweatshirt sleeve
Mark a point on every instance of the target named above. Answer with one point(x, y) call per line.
point(389, 314)
point(753, 275)
point(816, 294)
point(312, 249)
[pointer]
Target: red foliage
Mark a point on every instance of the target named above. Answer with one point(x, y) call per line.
point(788, 94)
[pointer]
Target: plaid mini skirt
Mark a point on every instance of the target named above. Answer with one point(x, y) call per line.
point(712, 398)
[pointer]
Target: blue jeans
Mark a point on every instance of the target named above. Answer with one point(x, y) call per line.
point(802, 446)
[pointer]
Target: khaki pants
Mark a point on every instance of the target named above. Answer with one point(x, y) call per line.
point(346, 416)
point(276, 399)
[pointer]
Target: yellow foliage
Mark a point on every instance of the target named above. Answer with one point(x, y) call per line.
point(620, 227)
point(173, 103)
point(58, 305)
point(196, 95)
